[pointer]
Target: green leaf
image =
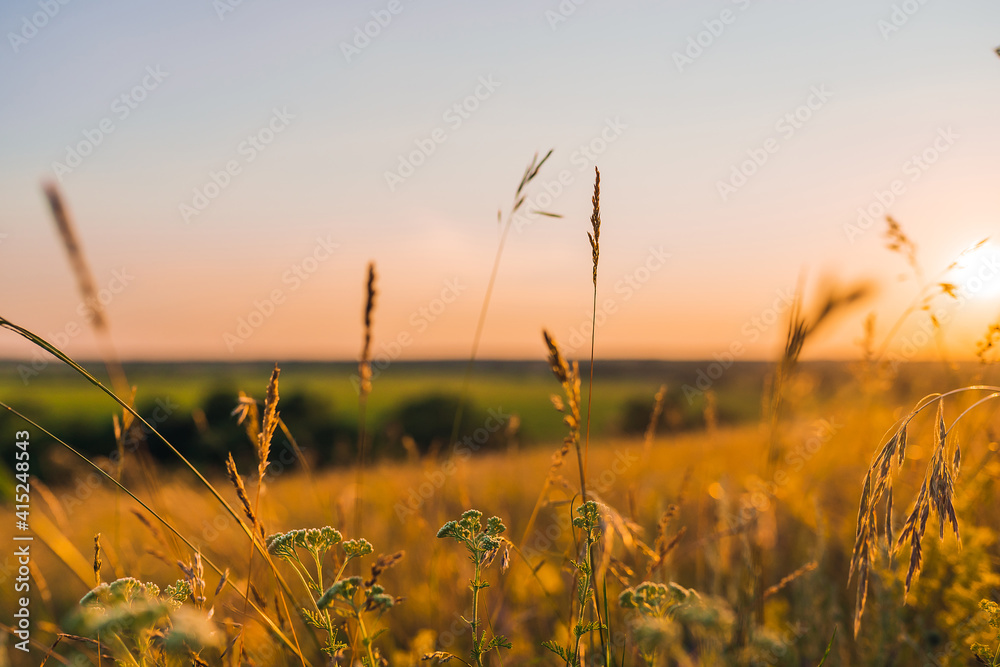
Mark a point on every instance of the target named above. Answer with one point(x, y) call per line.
point(557, 649)
point(581, 629)
point(316, 620)
point(498, 641)
point(829, 647)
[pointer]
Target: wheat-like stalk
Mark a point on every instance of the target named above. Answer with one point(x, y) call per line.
point(595, 251)
point(647, 439)
point(291, 643)
point(898, 241)
point(98, 321)
point(383, 563)
point(88, 288)
point(365, 387)
point(595, 223)
point(97, 559)
point(157, 535)
point(269, 423)
point(664, 545)
point(241, 492)
point(989, 342)
point(929, 290)
point(519, 198)
point(805, 569)
point(936, 493)
point(62, 356)
point(364, 365)
point(801, 328)
point(569, 378)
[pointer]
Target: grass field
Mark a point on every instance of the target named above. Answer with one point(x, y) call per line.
point(327, 401)
point(500, 334)
point(746, 514)
point(519, 387)
point(692, 492)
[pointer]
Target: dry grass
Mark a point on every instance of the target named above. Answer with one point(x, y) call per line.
point(937, 492)
point(702, 546)
point(88, 288)
point(815, 504)
point(568, 375)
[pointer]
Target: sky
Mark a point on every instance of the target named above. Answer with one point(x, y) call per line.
point(232, 167)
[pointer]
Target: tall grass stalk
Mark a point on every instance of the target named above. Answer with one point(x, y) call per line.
point(268, 424)
point(88, 288)
point(62, 356)
point(364, 389)
point(272, 625)
point(936, 493)
point(928, 290)
point(569, 377)
point(519, 199)
point(595, 249)
point(801, 328)
point(98, 322)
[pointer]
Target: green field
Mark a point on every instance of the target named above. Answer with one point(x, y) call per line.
point(59, 399)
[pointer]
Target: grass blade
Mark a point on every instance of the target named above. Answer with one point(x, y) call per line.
point(271, 625)
point(829, 647)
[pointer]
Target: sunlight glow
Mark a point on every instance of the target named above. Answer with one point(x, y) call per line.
point(977, 273)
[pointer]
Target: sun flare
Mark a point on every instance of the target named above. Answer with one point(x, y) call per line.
point(976, 274)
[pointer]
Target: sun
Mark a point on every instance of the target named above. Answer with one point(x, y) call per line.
point(976, 273)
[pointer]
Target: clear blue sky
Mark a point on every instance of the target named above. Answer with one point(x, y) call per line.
point(673, 130)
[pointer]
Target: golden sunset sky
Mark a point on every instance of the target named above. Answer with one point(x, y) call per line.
point(232, 167)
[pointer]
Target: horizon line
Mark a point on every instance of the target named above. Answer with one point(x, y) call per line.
point(493, 360)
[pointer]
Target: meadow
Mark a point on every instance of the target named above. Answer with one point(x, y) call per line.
point(539, 512)
point(686, 493)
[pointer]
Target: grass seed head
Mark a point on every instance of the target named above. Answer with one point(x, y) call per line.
point(595, 223)
point(241, 492)
point(97, 558)
point(364, 366)
point(269, 423)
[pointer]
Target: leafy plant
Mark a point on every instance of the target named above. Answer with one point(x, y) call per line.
point(140, 625)
point(653, 602)
point(588, 521)
point(483, 544)
point(985, 654)
point(350, 598)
